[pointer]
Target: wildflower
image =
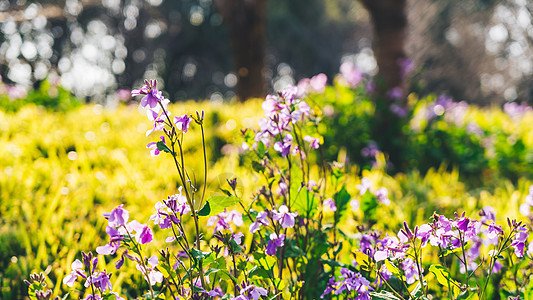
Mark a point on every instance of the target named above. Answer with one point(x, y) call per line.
point(313, 142)
point(262, 219)
point(100, 280)
point(350, 282)
point(410, 270)
point(182, 123)
point(152, 95)
point(285, 218)
point(250, 291)
point(158, 119)
point(154, 150)
point(350, 73)
point(382, 195)
point(77, 270)
point(366, 185)
point(275, 242)
point(285, 146)
point(114, 243)
point(117, 217)
point(154, 276)
point(223, 219)
point(519, 241)
point(329, 204)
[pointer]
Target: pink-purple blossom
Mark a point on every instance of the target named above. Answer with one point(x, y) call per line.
point(284, 217)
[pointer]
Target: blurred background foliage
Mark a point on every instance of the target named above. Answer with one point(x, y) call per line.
point(479, 51)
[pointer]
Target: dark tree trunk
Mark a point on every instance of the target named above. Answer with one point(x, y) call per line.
point(389, 20)
point(246, 22)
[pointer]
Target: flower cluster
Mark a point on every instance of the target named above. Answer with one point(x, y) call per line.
point(350, 282)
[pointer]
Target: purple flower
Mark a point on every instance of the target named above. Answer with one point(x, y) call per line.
point(285, 218)
point(262, 219)
point(313, 142)
point(318, 83)
point(329, 204)
point(145, 236)
point(410, 270)
point(223, 219)
point(350, 282)
point(519, 241)
point(77, 270)
point(395, 93)
point(250, 291)
point(382, 195)
point(366, 185)
point(100, 280)
point(154, 151)
point(152, 95)
point(274, 243)
point(117, 217)
point(493, 233)
point(158, 119)
point(350, 73)
point(284, 147)
point(182, 123)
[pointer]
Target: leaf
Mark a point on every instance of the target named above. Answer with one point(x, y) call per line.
point(384, 295)
point(418, 291)
point(394, 270)
point(197, 254)
point(292, 249)
point(206, 210)
point(161, 146)
point(259, 272)
point(257, 166)
point(369, 204)
point(261, 149)
point(448, 251)
point(342, 198)
point(363, 260)
point(219, 203)
point(226, 192)
point(444, 278)
point(469, 295)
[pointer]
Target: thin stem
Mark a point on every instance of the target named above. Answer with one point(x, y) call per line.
point(145, 272)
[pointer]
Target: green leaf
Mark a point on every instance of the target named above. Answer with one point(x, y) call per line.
point(219, 203)
point(394, 270)
point(342, 198)
point(369, 204)
point(197, 254)
point(261, 149)
point(418, 291)
point(226, 192)
point(292, 249)
point(257, 166)
point(206, 210)
point(444, 278)
point(448, 251)
point(384, 295)
point(363, 260)
point(259, 272)
point(161, 146)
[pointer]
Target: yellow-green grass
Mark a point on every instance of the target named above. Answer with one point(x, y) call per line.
point(60, 171)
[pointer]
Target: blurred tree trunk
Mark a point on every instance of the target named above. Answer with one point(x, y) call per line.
point(389, 20)
point(246, 22)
